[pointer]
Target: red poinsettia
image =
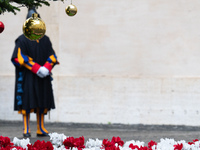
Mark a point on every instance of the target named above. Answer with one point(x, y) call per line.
point(19, 148)
point(71, 142)
point(108, 145)
point(5, 148)
point(139, 148)
point(133, 146)
point(195, 140)
point(117, 140)
point(151, 144)
point(190, 143)
point(111, 145)
point(5, 142)
point(143, 148)
point(178, 146)
point(79, 143)
point(40, 145)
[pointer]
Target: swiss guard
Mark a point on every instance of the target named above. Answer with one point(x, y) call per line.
point(33, 61)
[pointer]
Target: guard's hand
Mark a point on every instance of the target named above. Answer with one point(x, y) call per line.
point(43, 72)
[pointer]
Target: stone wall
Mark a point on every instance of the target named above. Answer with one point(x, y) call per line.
point(130, 62)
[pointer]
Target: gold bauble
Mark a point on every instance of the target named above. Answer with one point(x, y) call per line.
point(34, 28)
point(71, 10)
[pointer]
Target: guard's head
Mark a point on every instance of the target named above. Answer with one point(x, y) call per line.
point(31, 11)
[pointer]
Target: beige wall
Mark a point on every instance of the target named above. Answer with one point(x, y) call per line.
point(133, 61)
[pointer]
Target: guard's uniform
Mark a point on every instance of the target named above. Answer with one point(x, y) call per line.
point(33, 93)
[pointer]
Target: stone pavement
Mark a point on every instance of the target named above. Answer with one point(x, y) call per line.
point(139, 132)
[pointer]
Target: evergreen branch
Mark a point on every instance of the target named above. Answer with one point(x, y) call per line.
point(6, 6)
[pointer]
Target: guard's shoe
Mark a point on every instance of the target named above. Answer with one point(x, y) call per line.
point(27, 135)
point(43, 134)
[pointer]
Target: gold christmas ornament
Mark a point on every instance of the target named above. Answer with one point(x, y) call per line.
point(71, 10)
point(34, 28)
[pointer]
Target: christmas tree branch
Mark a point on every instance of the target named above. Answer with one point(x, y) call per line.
point(7, 6)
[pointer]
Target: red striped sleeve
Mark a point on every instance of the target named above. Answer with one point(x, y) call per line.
point(48, 66)
point(35, 68)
